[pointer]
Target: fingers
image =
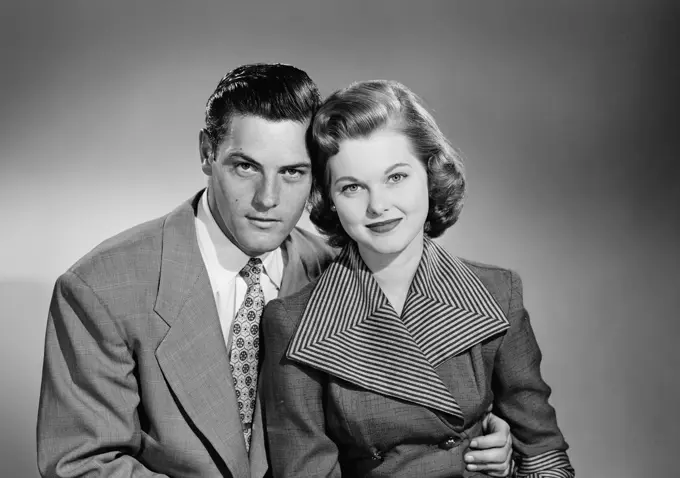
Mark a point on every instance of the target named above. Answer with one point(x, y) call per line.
point(492, 452)
point(505, 473)
point(492, 424)
point(496, 433)
point(492, 455)
point(492, 462)
point(493, 469)
point(499, 439)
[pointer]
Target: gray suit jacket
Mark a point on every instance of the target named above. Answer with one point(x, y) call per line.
point(352, 389)
point(136, 378)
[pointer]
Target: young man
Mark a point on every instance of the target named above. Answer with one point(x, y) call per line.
point(151, 351)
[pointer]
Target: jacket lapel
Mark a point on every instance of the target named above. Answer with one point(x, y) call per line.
point(448, 309)
point(302, 264)
point(258, 450)
point(350, 330)
point(193, 355)
point(304, 261)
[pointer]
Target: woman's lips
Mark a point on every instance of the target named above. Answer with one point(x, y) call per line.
point(383, 226)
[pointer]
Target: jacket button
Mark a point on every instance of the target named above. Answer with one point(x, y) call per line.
point(448, 443)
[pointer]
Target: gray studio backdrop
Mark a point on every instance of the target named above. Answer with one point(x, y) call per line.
point(567, 113)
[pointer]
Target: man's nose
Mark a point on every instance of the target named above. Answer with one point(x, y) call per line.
point(267, 195)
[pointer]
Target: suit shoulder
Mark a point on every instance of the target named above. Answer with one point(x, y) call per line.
point(294, 305)
point(133, 250)
point(499, 281)
point(488, 272)
point(315, 244)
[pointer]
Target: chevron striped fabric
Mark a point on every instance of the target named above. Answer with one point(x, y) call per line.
point(350, 330)
point(552, 464)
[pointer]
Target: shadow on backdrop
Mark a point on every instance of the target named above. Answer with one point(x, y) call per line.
point(23, 307)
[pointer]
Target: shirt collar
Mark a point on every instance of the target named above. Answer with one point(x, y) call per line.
point(218, 249)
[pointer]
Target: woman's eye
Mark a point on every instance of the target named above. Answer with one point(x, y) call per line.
point(396, 177)
point(350, 188)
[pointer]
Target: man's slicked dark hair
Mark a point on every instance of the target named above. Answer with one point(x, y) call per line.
point(272, 91)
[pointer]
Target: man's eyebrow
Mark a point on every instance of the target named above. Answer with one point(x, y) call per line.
point(250, 159)
point(242, 155)
point(297, 166)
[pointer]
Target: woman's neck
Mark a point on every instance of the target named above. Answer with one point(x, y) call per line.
point(394, 272)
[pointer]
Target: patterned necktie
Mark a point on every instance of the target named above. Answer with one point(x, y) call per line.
point(245, 345)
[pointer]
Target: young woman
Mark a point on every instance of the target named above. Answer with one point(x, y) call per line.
point(386, 366)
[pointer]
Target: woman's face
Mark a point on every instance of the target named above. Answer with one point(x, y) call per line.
point(379, 188)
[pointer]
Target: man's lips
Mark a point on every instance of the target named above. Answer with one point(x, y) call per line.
point(262, 221)
point(384, 226)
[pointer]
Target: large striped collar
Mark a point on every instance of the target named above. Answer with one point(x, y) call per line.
point(350, 330)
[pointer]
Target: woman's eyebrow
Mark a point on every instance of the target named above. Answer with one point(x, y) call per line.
point(395, 166)
point(346, 178)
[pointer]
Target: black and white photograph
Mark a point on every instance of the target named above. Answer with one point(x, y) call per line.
point(409, 239)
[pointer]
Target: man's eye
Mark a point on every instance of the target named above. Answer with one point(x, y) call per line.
point(245, 166)
point(293, 173)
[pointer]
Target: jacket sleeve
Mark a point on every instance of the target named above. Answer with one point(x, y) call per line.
point(87, 416)
point(294, 411)
point(521, 398)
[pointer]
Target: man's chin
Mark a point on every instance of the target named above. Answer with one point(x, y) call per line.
point(261, 242)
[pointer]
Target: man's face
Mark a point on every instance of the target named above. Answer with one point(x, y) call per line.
point(259, 181)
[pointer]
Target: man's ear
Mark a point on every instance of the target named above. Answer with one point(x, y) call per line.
point(206, 151)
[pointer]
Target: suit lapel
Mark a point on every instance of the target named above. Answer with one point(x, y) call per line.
point(465, 378)
point(193, 355)
point(349, 329)
point(303, 262)
point(301, 266)
point(258, 449)
point(448, 309)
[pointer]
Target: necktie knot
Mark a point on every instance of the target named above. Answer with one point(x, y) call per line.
point(251, 271)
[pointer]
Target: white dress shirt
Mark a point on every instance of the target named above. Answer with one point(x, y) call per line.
point(223, 261)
